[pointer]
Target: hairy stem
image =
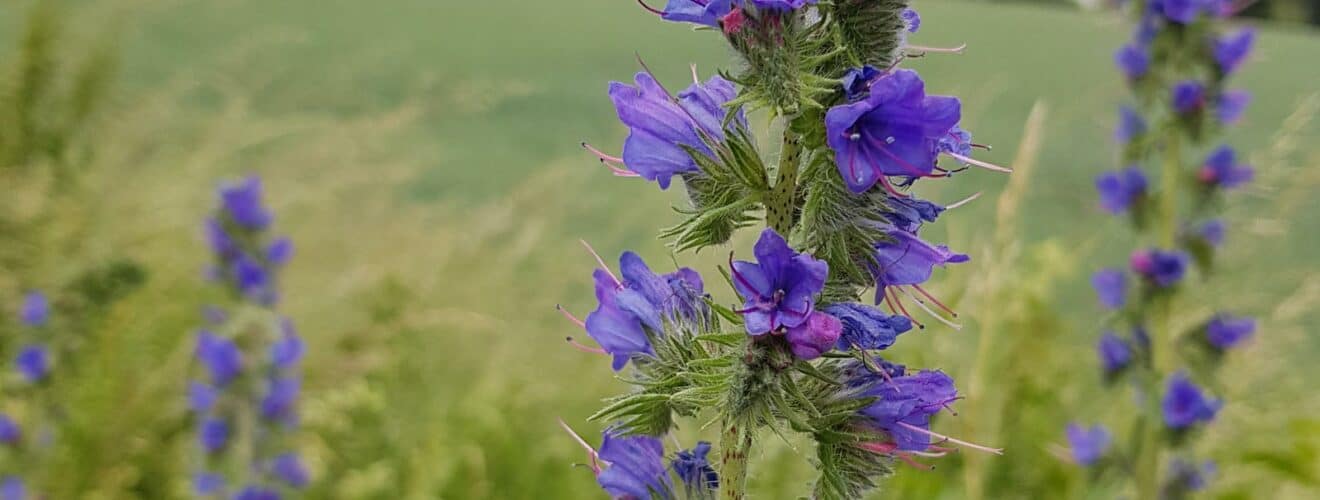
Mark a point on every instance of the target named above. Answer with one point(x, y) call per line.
point(1162, 334)
point(735, 444)
point(780, 208)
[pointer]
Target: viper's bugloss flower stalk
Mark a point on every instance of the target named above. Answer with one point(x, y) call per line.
point(245, 400)
point(1177, 65)
point(795, 350)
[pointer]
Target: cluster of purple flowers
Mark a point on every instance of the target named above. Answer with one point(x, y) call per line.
point(1183, 106)
point(884, 133)
point(249, 358)
point(33, 364)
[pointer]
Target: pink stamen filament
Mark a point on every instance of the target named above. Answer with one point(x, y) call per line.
point(880, 175)
point(964, 201)
point(617, 170)
point(591, 452)
point(601, 262)
point(899, 302)
point(912, 169)
point(935, 300)
point(570, 316)
point(938, 50)
point(907, 459)
point(650, 8)
point(601, 154)
point(881, 448)
point(972, 161)
point(584, 348)
point(922, 305)
point(936, 435)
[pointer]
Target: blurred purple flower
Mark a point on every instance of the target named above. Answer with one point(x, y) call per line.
point(1120, 190)
point(1221, 170)
point(1185, 405)
point(1225, 332)
point(1111, 287)
point(1160, 268)
point(35, 310)
point(1088, 444)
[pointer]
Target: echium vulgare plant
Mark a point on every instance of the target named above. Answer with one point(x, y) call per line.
point(245, 400)
point(1177, 66)
point(800, 351)
point(27, 411)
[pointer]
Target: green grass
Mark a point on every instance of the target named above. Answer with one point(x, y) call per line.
point(424, 156)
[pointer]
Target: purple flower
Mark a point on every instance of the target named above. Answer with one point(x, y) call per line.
point(257, 493)
point(1185, 405)
point(1160, 268)
point(908, 214)
point(1111, 287)
point(1221, 170)
point(1114, 353)
point(12, 488)
point(906, 259)
point(865, 327)
point(1120, 190)
point(1185, 476)
point(219, 240)
point(33, 363)
point(201, 397)
point(1212, 232)
point(1225, 332)
point(814, 337)
point(703, 12)
point(659, 126)
point(637, 468)
point(1184, 11)
point(911, 19)
point(1231, 105)
point(857, 81)
point(214, 434)
point(1231, 50)
point(281, 396)
point(208, 483)
point(252, 280)
point(242, 201)
point(1188, 97)
point(895, 131)
point(779, 289)
point(782, 5)
point(286, 351)
point(1088, 445)
point(1130, 125)
point(642, 299)
point(220, 356)
point(693, 468)
point(9, 431)
point(290, 469)
point(279, 252)
point(1132, 60)
point(35, 310)
point(906, 405)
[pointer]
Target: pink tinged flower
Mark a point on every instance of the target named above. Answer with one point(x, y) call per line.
point(814, 337)
point(1221, 170)
point(779, 289)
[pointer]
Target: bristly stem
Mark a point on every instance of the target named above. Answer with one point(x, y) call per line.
point(735, 444)
point(780, 208)
point(1161, 348)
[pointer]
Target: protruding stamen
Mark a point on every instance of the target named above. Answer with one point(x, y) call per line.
point(884, 181)
point(903, 310)
point(927, 454)
point(878, 447)
point(617, 170)
point(653, 10)
point(964, 201)
point(922, 305)
point(986, 147)
point(601, 154)
point(570, 316)
point(591, 452)
point(935, 300)
point(601, 262)
point(695, 79)
point(936, 435)
point(972, 161)
point(922, 49)
point(583, 347)
point(907, 459)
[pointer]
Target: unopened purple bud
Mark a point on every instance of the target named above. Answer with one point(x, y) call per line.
point(814, 337)
point(35, 310)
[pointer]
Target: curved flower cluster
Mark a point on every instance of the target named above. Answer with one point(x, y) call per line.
point(245, 400)
point(1177, 64)
point(841, 217)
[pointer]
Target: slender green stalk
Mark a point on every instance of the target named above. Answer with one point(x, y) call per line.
point(736, 441)
point(1162, 334)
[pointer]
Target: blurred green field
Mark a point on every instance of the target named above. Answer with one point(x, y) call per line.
point(424, 157)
